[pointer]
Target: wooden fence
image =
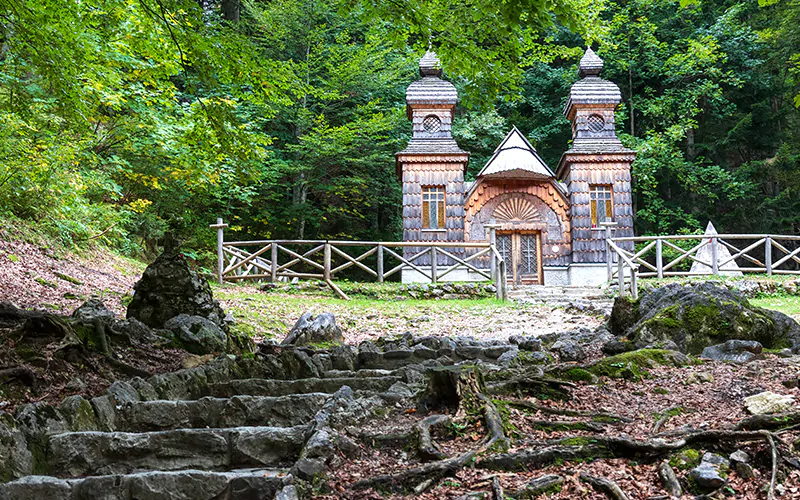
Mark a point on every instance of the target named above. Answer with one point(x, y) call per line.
point(273, 260)
point(660, 256)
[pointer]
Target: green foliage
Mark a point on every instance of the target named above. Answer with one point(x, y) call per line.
point(121, 120)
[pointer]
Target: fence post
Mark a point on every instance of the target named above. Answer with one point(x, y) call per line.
point(273, 275)
point(326, 262)
point(634, 284)
point(380, 263)
point(621, 276)
point(501, 290)
point(434, 257)
point(768, 255)
point(220, 227)
point(608, 224)
point(714, 257)
point(660, 258)
point(493, 244)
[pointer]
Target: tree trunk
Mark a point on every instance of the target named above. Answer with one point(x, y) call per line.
point(230, 10)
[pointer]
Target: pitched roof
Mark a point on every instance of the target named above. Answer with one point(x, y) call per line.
point(515, 158)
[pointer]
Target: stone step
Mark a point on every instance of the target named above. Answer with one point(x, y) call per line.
point(100, 453)
point(273, 387)
point(246, 484)
point(236, 411)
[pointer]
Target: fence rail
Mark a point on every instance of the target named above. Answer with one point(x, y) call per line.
point(719, 254)
point(273, 260)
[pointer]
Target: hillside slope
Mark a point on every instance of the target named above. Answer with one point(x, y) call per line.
point(34, 276)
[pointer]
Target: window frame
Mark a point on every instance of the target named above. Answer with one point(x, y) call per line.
point(436, 194)
point(594, 200)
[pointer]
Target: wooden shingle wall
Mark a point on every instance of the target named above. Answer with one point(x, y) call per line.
point(588, 246)
point(551, 206)
point(444, 113)
point(421, 171)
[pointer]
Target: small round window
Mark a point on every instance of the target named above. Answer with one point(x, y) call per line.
point(431, 124)
point(595, 123)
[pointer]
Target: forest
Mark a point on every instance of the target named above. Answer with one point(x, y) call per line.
point(124, 119)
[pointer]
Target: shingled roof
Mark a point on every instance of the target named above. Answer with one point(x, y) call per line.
point(515, 158)
point(592, 89)
point(417, 146)
point(430, 89)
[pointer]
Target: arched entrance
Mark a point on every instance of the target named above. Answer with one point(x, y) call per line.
point(519, 240)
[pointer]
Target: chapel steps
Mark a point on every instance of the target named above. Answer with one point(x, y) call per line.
point(233, 429)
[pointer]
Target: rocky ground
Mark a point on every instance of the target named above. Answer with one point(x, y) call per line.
point(271, 315)
point(424, 399)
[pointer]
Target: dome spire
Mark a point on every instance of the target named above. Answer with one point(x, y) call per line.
point(590, 64)
point(430, 65)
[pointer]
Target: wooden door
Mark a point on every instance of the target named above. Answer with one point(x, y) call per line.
point(522, 253)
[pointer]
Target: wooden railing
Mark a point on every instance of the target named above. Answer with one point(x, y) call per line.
point(660, 256)
point(275, 260)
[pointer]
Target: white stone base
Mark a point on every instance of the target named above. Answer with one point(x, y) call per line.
point(574, 275)
point(556, 276)
point(588, 274)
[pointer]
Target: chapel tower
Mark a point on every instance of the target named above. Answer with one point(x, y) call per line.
point(596, 169)
point(431, 167)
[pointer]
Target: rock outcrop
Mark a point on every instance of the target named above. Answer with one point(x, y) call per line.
point(310, 329)
point(736, 351)
point(693, 317)
point(168, 288)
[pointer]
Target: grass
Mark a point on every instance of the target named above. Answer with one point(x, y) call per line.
point(787, 304)
point(271, 314)
point(778, 278)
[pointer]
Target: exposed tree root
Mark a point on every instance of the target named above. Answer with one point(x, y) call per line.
point(532, 385)
point(669, 480)
point(599, 415)
point(606, 486)
point(769, 421)
point(497, 489)
point(771, 441)
point(130, 370)
point(405, 479)
point(665, 416)
point(19, 372)
point(607, 447)
point(459, 387)
point(426, 448)
point(496, 438)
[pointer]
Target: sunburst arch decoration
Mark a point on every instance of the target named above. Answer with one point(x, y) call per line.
point(516, 210)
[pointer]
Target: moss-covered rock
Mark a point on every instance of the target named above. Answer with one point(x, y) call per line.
point(686, 459)
point(697, 316)
point(79, 413)
point(633, 365)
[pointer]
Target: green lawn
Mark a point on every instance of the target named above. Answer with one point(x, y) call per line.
point(787, 304)
point(272, 314)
